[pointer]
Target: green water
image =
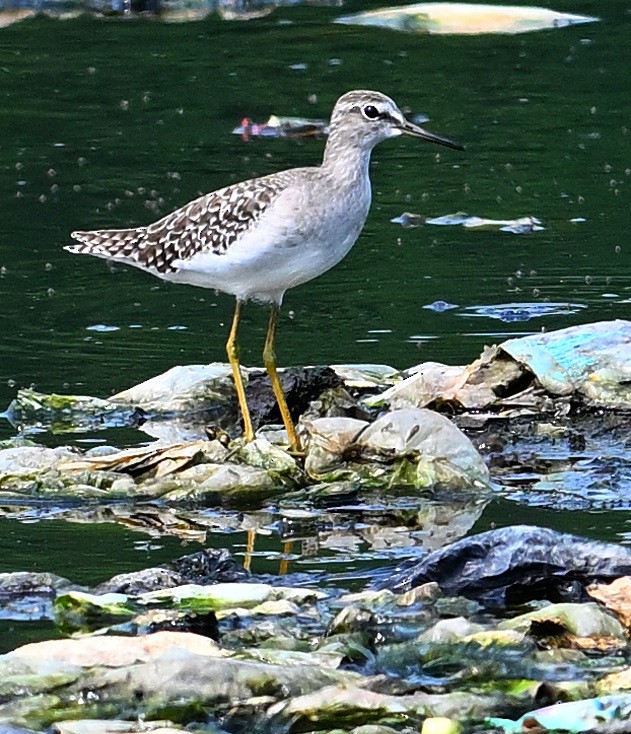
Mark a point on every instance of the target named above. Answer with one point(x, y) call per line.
point(108, 124)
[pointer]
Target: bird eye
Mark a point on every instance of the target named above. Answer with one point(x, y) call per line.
point(371, 112)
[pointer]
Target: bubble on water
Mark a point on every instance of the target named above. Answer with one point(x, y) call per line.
point(54, 188)
point(19, 166)
point(51, 172)
point(48, 266)
point(81, 161)
point(124, 104)
point(50, 292)
point(588, 279)
point(91, 70)
point(76, 188)
point(42, 198)
point(11, 382)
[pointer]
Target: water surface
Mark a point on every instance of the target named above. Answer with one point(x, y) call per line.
point(112, 124)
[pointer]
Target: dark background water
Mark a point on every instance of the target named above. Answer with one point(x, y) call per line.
point(109, 123)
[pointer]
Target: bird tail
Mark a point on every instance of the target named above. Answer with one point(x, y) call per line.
point(112, 244)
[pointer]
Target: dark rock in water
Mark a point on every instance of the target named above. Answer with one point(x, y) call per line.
point(29, 596)
point(513, 565)
point(300, 385)
point(174, 620)
point(209, 566)
point(23, 583)
point(139, 582)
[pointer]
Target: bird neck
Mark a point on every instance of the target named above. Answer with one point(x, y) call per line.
point(346, 157)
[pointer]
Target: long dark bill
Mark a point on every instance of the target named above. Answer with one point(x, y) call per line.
point(409, 128)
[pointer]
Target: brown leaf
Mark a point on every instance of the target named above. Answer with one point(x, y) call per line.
point(160, 461)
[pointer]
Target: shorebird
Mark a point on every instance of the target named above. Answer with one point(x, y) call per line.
point(258, 238)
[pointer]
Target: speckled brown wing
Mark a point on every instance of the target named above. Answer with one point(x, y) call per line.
point(211, 223)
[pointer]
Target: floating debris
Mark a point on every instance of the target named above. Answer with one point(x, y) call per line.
point(409, 220)
point(575, 716)
point(440, 306)
point(464, 18)
point(515, 312)
point(521, 225)
point(282, 127)
point(590, 362)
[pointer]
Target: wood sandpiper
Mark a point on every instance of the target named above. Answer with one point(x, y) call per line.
point(258, 238)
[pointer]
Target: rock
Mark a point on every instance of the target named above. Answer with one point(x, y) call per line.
point(114, 651)
point(209, 566)
point(513, 565)
point(138, 582)
point(300, 385)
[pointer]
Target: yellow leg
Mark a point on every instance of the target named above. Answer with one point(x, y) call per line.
point(233, 357)
point(269, 360)
point(283, 566)
point(249, 549)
